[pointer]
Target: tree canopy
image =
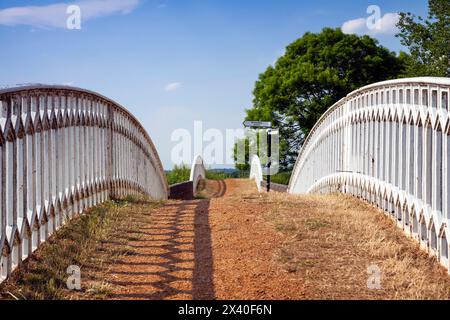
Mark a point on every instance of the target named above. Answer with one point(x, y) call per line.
point(428, 40)
point(316, 71)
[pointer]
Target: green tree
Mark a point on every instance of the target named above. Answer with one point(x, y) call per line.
point(238, 165)
point(316, 71)
point(428, 40)
point(179, 173)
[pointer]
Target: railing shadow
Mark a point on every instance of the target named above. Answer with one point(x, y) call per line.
point(165, 271)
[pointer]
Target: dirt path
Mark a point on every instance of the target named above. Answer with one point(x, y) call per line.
point(232, 243)
point(238, 244)
point(163, 265)
point(201, 249)
point(244, 248)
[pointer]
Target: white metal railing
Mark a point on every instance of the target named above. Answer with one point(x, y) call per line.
point(256, 171)
point(63, 150)
point(198, 172)
point(388, 143)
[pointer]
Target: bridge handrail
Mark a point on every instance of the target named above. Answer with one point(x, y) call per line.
point(198, 172)
point(256, 171)
point(63, 150)
point(360, 146)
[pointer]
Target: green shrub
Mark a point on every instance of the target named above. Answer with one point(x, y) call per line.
point(218, 175)
point(280, 177)
point(178, 174)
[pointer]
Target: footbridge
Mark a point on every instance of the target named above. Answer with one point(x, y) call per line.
point(64, 150)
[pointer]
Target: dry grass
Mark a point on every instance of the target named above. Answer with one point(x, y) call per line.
point(91, 241)
point(331, 240)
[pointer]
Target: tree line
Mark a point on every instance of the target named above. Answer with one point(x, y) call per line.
point(318, 69)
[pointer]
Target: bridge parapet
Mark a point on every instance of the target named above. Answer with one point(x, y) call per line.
point(187, 190)
point(256, 171)
point(388, 143)
point(198, 172)
point(64, 150)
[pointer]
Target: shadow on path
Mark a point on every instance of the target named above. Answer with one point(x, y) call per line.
point(171, 257)
point(202, 278)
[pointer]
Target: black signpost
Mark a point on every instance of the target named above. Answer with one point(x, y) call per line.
point(267, 125)
point(269, 159)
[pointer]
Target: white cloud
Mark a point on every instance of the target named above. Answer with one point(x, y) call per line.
point(354, 26)
point(55, 15)
point(386, 25)
point(172, 86)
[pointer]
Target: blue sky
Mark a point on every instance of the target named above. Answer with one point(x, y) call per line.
point(171, 62)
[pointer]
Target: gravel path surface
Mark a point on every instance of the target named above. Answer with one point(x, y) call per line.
point(212, 248)
point(234, 243)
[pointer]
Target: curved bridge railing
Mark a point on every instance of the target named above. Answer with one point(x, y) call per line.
point(388, 143)
point(198, 172)
point(62, 151)
point(256, 171)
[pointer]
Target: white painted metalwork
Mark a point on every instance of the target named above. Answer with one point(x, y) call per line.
point(62, 151)
point(388, 143)
point(198, 172)
point(256, 171)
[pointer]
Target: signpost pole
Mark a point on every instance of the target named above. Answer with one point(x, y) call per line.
point(267, 125)
point(269, 160)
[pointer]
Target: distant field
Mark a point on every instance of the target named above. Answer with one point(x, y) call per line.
point(219, 174)
point(181, 174)
point(281, 177)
